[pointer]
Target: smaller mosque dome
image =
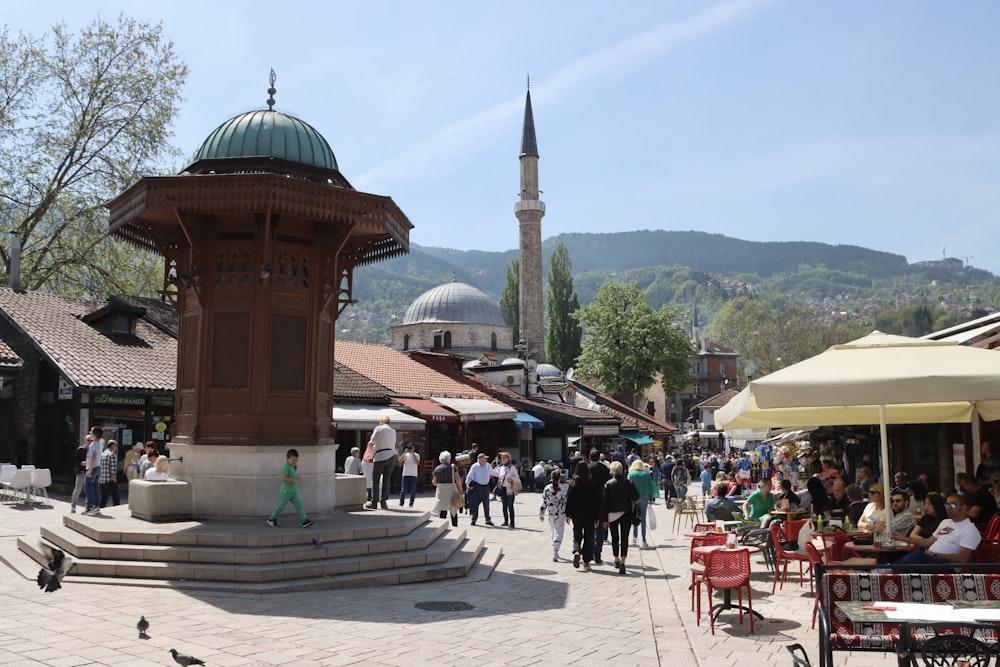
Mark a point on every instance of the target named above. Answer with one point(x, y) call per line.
point(548, 371)
point(454, 302)
point(268, 133)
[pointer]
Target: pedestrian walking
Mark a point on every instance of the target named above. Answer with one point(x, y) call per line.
point(553, 508)
point(616, 511)
point(583, 510)
point(289, 491)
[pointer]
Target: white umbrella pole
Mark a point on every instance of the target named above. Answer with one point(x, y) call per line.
point(977, 437)
point(886, 487)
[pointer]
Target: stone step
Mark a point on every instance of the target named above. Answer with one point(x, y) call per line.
point(468, 555)
point(243, 550)
point(436, 546)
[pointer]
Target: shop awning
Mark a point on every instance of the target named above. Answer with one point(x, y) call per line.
point(637, 438)
point(524, 420)
point(428, 409)
point(367, 417)
point(476, 409)
point(691, 435)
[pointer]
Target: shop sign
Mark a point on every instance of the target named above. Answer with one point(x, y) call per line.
point(162, 401)
point(600, 430)
point(65, 390)
point(119, 399)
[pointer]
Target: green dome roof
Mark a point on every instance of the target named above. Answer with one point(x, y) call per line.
point(268, 133)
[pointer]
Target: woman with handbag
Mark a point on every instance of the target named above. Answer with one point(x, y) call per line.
point(507, 487)
point(644, 485)
point(620, 497)
point(448, 494)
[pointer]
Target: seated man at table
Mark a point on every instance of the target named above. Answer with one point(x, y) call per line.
point(786, 493)
point(982, 504)
point(903, 520)
point(838, 502)
point(720, 508)
point(760, 502)
point(954, 541)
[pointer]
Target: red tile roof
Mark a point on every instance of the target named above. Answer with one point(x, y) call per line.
point(87, 357)
point(349, 384)
point(398, 373)
point(8, 357)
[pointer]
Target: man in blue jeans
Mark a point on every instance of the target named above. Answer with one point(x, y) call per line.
point(411, 469)
point(478, 483)
point(92, 485)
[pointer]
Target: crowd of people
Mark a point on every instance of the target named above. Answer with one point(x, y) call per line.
point(96, 465)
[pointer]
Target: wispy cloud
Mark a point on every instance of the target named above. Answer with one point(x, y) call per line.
point(439, 151)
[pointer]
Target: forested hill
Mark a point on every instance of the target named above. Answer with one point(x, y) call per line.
point(687, 267)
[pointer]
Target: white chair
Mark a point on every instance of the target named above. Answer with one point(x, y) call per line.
point(6, 475)
point(41, 480)
point(20, 482)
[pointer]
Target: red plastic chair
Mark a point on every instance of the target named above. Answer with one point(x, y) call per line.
point(792, 528)
point(727, 569)
point(992, 531)
point(698, 560)
point(833, 546)
point(783, 558)
point(704, 527)
point(814, 558)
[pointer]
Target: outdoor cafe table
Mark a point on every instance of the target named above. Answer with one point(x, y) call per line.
point(727, 593)
point(881, 553)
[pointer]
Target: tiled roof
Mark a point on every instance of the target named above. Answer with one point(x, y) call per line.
point(349, 384)
point(84, 355)
point(158, 312)
point(631, 418)
point(718, 400)
point(538, 407)
point(8, 357)
point(398, 373)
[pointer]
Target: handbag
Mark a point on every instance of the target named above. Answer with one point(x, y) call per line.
point(514, 484)
point(650, 517)
point(457, 498)
point(636, 515)
point(369, 455)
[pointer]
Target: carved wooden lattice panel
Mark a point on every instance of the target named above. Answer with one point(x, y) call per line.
point(288, 352)
point(231, 350)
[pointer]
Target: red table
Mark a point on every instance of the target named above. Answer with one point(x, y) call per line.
point(727, 594)
point(881, 553)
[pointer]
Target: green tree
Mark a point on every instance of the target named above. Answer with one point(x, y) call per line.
point(510, 300)
point(562, 343)
point(82, 117)
point(628, 342)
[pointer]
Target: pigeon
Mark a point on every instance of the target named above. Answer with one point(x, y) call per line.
point(318, 543)
point(59, 566)
point(142, 626)
point(185, 660)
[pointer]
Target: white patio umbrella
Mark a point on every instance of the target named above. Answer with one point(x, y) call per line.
point(878, 379)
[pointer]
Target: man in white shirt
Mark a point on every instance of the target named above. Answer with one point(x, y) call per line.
point(541, 479)
point(954, 541)
point(383, 442)
point(411, 468)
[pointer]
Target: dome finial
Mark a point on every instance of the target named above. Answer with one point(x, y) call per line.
point(271, 91)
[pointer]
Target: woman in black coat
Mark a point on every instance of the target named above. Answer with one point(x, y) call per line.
point(620, 495)
point(583, 510)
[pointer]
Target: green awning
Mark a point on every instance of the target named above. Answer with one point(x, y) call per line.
point(637, 438)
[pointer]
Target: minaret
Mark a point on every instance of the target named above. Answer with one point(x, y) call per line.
point(529, 211)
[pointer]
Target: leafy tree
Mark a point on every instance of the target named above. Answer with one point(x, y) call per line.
point(510, 300)
point(628, 342)
point(81, 118)
point(562, 344)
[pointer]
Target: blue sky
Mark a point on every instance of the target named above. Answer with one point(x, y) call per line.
point(850, 122)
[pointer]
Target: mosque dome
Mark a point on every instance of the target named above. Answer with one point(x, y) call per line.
point(548, 371)
point(454, 302)
point(268, 133)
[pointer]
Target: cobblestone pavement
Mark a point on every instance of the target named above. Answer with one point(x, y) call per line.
point(528, 611)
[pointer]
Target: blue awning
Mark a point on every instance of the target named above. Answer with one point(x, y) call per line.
point(637, 438)
point(524, 420)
